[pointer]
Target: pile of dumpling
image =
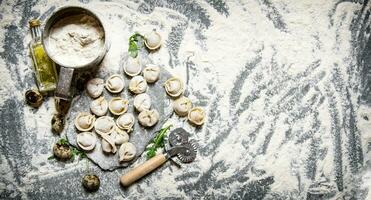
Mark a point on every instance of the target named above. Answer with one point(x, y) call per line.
point(116, 131)
point(182, 105)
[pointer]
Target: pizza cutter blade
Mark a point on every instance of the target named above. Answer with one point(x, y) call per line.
point(178, 137)
point(190, 154)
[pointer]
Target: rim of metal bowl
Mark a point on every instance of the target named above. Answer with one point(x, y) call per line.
point(60, 14)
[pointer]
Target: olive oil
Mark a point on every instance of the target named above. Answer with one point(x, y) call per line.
point(44, 68)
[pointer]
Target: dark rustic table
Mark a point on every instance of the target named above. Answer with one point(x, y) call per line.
point(286, 86)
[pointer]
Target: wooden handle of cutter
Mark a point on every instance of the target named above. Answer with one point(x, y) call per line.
point(143, 169)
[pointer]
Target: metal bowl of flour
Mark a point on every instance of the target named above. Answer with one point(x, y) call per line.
point(67, 69)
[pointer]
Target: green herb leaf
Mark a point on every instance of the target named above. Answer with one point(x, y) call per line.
point(151, 153)
point(77, 152)
point(83, 155)
point(133, 49)
point(51, 157)
point(135, 43)
point(63, 141)
point(157, 142)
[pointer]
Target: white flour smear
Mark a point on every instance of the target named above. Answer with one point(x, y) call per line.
point(277, 83)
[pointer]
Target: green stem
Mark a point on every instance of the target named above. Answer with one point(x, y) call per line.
point(158, 142)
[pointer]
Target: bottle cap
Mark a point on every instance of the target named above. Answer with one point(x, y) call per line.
point(34, 22)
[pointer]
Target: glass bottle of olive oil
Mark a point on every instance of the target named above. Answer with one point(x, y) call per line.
point(44, 67)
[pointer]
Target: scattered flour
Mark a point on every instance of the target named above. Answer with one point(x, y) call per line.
point(5, 84)
point(308, 38)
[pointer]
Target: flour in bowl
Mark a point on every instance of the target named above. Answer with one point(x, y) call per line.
point(76, 40)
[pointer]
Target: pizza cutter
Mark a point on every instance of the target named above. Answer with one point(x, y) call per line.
point(177, 145)
point(180, 137)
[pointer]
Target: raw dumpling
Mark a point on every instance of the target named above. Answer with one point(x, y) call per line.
point(115, 83)
point(127, 152)
point(182, 106)
point(151, 73)
point(152, 40)
point(86, 140)
point(119, 136)
point(148, 118)
point(138, 85)
point(174, 87)
point(95, 87)
point(99, 106)
point(126, 122)
point(108, 144)
point(84, 121)
point(118, 106)
point(142, 102)
point(104, 125)
point(196, 116)
point(132, 67)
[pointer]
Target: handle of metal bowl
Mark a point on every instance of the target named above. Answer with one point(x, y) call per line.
point(64, 83)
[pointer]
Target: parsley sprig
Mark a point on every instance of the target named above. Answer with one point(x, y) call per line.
point(63, 141)
point(157, 142)
point(135, 43)
point(77, 152)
